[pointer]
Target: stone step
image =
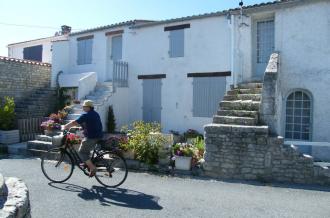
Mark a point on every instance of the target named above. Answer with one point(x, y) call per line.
point(77, 110)
point(238, 113)
point(253, 97)
point(249, 85)
point(17, 149)
point(35, 152)
point(66, 121)
point(240, 105)
point(73, 116)
point(248, 121)
point(245, 91)
point(228, 128)
point(39, 145)
point(44, 138)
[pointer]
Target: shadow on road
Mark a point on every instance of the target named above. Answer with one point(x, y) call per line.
point(119, 196)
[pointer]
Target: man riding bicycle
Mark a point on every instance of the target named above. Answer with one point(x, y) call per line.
point(92, 126)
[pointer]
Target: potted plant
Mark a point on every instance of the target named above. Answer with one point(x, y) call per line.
point(183, 154)
point(8, 134)
point(52, 124)
point(145, 147)
point(121, 142)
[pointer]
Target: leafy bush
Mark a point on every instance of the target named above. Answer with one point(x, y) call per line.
point(144, 145)
point(200, 145)
point(7, 113)
point(111, 120)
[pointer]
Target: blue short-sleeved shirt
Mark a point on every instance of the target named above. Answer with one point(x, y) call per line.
point(91, 123)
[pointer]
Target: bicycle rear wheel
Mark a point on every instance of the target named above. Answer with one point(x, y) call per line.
point(57, 165)
point(111, 169)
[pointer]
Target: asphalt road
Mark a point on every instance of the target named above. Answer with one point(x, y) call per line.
point(148, 195)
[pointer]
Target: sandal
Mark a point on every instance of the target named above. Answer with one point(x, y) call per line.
point(92, 172)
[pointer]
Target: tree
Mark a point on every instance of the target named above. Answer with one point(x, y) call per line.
point(111, 120)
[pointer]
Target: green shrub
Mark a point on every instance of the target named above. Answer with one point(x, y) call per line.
point(7, 113)
point(145, 145)
point(111, 120)
point(199, 144)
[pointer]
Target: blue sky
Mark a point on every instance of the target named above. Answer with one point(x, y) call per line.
point(82, 14)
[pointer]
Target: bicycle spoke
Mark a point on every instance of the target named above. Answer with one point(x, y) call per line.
point(111, 170)
point(57, 165)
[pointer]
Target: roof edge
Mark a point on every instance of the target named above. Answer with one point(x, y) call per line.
point(25, 61)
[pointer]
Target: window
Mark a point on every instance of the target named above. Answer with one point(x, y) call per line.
point(116, 48)
point(298, 116)
point(33, 53)
point(85, 49)
point(207, 93)
point(176, 43)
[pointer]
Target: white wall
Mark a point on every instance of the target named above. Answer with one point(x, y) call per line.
point(303, 39)
point(16, 50)
point(60, 56)
point(207, 49)
point(100, 55)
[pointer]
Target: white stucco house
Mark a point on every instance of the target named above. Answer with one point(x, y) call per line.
point(37, 49)
point(176, 71)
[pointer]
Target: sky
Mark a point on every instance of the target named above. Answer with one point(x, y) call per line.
point(22, 20)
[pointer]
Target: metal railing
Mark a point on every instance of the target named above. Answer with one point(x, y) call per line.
point(120, 74)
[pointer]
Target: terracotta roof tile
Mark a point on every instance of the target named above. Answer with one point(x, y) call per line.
point(25, 61)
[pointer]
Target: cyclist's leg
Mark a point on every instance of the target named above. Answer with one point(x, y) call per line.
point(86, 146)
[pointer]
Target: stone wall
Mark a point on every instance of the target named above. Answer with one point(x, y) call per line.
point(28, 82)
point(19, 78)
point(268, 100)
point(249, 153)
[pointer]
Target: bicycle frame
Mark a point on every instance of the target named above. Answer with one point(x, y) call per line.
point(75, 156)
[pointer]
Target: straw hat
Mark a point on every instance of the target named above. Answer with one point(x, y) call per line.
point(88, 103)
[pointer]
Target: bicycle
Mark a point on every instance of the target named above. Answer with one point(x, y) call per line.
point(58, 163)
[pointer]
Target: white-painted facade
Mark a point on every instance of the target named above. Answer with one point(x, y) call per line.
point(16, 50)
point(216, 43)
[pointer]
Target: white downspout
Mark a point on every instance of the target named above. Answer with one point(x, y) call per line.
point(232, 64)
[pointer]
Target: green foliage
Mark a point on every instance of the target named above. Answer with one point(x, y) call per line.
point(184, 149)
point(7, 113)
point(111, 120)
point(62, 98)
point(143, 142)
point(199, 144)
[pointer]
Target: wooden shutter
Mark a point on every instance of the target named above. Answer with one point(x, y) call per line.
point(176, 43)
point(207, 93)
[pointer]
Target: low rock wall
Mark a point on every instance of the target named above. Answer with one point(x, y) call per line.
point(14, 199)
point(249, 153)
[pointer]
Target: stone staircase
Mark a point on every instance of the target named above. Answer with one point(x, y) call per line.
point(100, 96)
point(38, 104)
point(238, 146)
point(40, 145)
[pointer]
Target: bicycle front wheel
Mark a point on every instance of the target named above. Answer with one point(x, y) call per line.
point(57, 165)
point(111, 169)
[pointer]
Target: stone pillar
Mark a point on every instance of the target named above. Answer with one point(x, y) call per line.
point(268, 107)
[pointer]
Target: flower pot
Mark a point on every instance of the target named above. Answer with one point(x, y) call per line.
point(9, 137)
point(51, 132)
point(182, 163)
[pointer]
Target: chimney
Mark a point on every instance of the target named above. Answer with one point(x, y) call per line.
point(65, 30)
